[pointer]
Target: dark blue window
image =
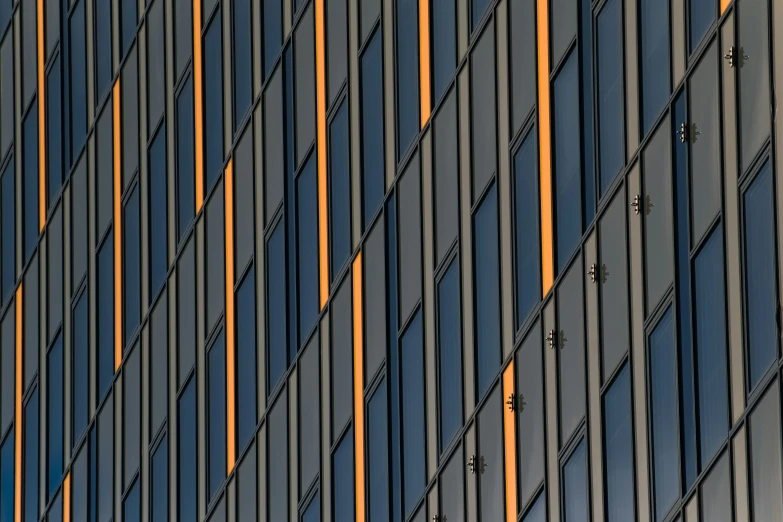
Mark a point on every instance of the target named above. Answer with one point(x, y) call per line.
point(158, 210)
point(709, 315)
point(701, 15)
point(610, 92)
point(186, 195)
point(537, 512)
point(586, 66)
point(7, 479)
point(5, 15)
point(92, 496)
point(131, 252)
point(78, 71)
point(105, 313)
point(7, 231)
point(56, 511)
point(526, 232)
point(307, 255)
point(378, 455)
point(54, 420)
point(407, 56)
point(394, 358)
point(272, 18)
point(213, 102)
point(444, 46)
point(131, 508)
point(290, 203)
point(575, 504)
point(159, 486)
point(373, 183)
point(275, 306)
point(413, 458)
point(568, 224)
point(663, 375)
point(30, 183)
point(618, 456)
point(759, 229)
point(450, 354)
point(654, 67)
point(54, 152)
point(486, 268)
point(103, 70)
point(241, 51)
point(313, 512)
point(477, 10)
point(342, 478)
point(30, 452)
point(246, 359)
point(187, 453)
point(339, 191)
point(81, 364)
point(128, 25)
point(216, 415)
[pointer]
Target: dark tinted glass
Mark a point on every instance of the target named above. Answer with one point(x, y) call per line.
point(562, 27)
point(610, 92)
point(216, 262)
point(337, 46)
point(183, 34)
point(575, 495)
point(709, 316)
point(764, 437)
point(102, 46)
point(246, 359)
point(105, 455)
point(54, 417)
point(716, 501)
point(216, 415)
point(7, 479)
point(30, 317)
point(373, 182)
point(7, 375)
point(537, 512)
point(486, 267)
point(186, 312)
point(342, 479)
point(369, 12)
point(450, 354)
point(131, 411)
point(307, 255)
point(132, 505)
point(129, 119)
point(394, 357)
point(752, 17)
point(186, 195)
point(275, 306)
point(413, 459)
point(309, 415)
point(158, 209)
point(407, 56)
point(78, 71)
point(243, 61)
point(339, 180)
point(526, 232)
point(446, 175)
point(105, 316)
point(79, 480)
point(6, 87)
point(444, 46)
point(54, 252)
point(663, 375)
point(54, 129)
point(701, 13)
point(131, 291)
point(452, 488)
point(490, 446)
point(568, 222)
point(80, 350)
point(522, 26)
point(30, 182)
point(187, 456)
point(244, 202)
point(585, 46)
point(30, 459)
point(342, 358)
point(213, 102)
point(274, 150)
point(56, 510)
point(378, 455)
point(761, 302)
point(79, 227)
point(156, 71)
point(654, 57)
point(374, 303)
point(52, 29)
point(409, 221)
point(530, 420)
point(272, 19)
point(477, 10)
point(104, 171)
point(570, 338)
point(158, 357)
point(483, 110)
point(127, 25)
point(247, 488)
point(277, 460)
point(618, 456)
point(304, 58)
point(7, 231)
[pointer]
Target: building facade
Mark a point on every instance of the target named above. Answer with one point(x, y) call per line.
point(390, 260)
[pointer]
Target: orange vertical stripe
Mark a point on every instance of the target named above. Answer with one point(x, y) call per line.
point(197, 112)
point(358, 386)
point(67, 498)
point(117, 228)
point(723, 5)
point(544, 161)
point(424, 59)
point(510, 447)
point(41, 122)
point(228, 190)
point(320, 100)
point(18, 408)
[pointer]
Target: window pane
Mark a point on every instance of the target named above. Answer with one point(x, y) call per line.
point(450, 354)
point(216, 415)
point(105, 456)
point(452, 488)
point(79, 227)
point(127, 25)
point(81, 366)
point(716, 498)
point(79, 484)
point(374, 303)
point(618, 442)
point(342, 478)
point(156, 71)
point(563, 27)
point(159, 483)
point(78, 67)
point(246, 360)
point(247, 488)
point(342, 358)
point(30, 182)
point(313, 513)
point(522, 47)
point(663, 375)
point(183, 34)
point(54, 416)
point(654, 67)
point(585, 43)
point(444, 46)
point(186, 195)
point(7, 478)
point(307, 254)
point(304, 58)
point(378, 455)
point(765, 480)
point(131, 411)
point(409, 221)
point(446, 175)
point(186, 312)
point(105, 316)
point(30, 323)
point(132, 509)
point(709, 315)
point(7, 376)
point(158, 213)
point(8, 231)
point(568, 225)
point(337, 45)
point(54, 130)
point(54, 253)
point(610, 92)
point(6, 87)
point(575, 486)
point(530, 420)
point(394, 357)
point(752, 17)
point(407, 56)
point(103, 68)
point(570, 338)
point(373, 181)
point(483, 110)
point(490, 445)
point(274, 149)
point(130, 115)
point(131, 243)
point(104, 171)
point(277, 460)
point(213, 102)
point(339, 180)
point(526, 229)
point(537, 512)
point(309, 415)
point(244, 201)
point(187, 453)
point(216, 262)
point(412, 364)
point(272, 19)
point(30, 451)
point(369, 13)
point(275, 306)
point(243, 61)
point(701, 14)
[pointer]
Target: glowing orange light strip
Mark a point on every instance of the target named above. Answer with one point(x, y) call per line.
point(320, 83)
point(228, 190)
point(117, 228)
point(358, 387)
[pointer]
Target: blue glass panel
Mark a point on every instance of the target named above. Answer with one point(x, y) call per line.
point(159, 484)
point(477, 10)
point(307, 254)
point(275, 306)
point(277, 459)
point(444, 46)
point(413, 458)
point(759, 229)
point(407, 57)
point(131, 253)
point(487, 287)
point(243, 64)
point(701, 14)
point(526, 231)
point(272, 17)
point(663, 376)
point(339, 179)
point(393, 357)
point(373, 183)
point(92, 494)
point(54, 417)
point(54, 152)
point(30, 182)
point(131, 508)
point(105, 316)
point(586, 85)
point(568, 224)
point(127, 25)
point(618, 456)
point(213, 102)
point(709, 302)
point(610, 92)
point(378, 456)
point(450, 354)
point(575, 506)
point(78, 70)
point(186, 195)
point(216, 415)
point(342, 479)
point(105, 466)
point(246, 359)
point(158, 210)
point(103, 70)
point(290, 202)
point(313, 512)
point(56, 511)
point(187, 498)
point(654, 67)
point(7, 231)
point(537, 512)
point(7, 479)
point(30, 459)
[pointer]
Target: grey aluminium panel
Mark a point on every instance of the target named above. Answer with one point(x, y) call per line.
point(740, 462)
point(631, 80)
point(777, 36)
point(678, 40)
